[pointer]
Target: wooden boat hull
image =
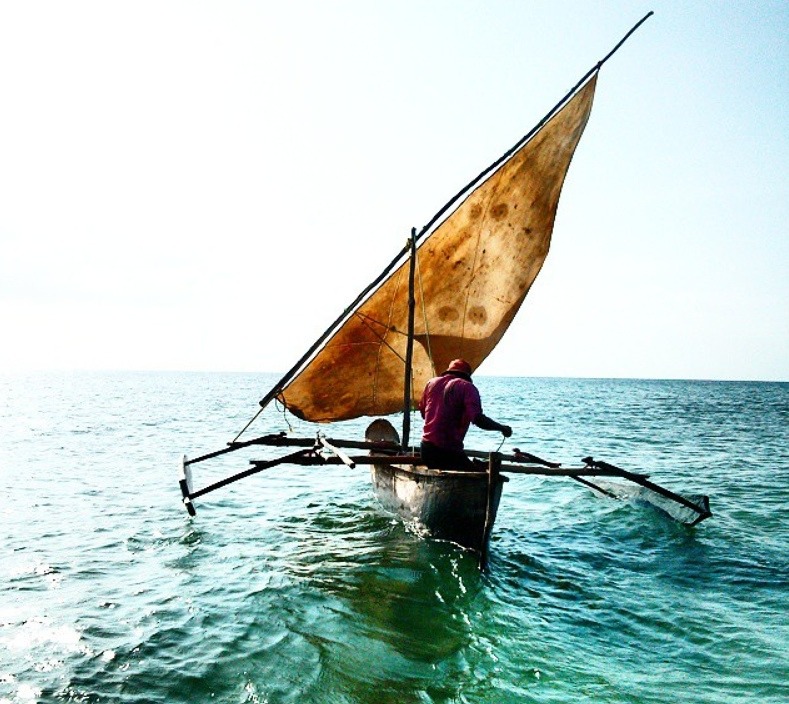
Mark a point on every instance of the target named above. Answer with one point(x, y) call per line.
point(445, 505)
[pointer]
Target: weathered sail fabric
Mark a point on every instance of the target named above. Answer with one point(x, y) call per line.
point(472, 276)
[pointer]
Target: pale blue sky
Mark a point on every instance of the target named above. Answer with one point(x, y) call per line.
point(205, 186)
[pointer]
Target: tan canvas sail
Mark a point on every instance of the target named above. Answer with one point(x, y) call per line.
point(472, 275)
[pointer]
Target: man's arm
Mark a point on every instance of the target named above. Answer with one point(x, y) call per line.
point(482, 421)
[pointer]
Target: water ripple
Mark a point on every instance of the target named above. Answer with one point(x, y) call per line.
point(295, 586)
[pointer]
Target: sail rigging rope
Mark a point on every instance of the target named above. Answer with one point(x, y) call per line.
point(280, 407)
point(424, 313)
point(244, 429)
point(365, 321)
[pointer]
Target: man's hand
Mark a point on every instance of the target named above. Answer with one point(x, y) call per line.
point(506, 431)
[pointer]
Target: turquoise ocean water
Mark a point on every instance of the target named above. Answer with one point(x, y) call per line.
point(295, 586)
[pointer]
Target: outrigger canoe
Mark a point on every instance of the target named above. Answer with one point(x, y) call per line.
point(452, 291)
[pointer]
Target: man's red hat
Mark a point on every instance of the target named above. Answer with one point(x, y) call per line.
point(459, 365)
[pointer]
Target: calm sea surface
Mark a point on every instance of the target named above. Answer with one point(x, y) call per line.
point(295, 586)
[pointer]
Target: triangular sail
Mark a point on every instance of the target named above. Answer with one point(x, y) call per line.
point(472, 275)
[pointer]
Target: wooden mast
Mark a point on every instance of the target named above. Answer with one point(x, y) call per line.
point(409, 347)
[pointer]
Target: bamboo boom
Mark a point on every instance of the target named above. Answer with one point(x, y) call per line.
point(282, 440)
point(528, 457)
point(285, 441)
point(591, 485)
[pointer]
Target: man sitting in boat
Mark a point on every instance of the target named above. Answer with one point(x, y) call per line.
point(450, 403)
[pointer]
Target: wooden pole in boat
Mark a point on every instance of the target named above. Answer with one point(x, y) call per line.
point(409, 346)
point(494, 470)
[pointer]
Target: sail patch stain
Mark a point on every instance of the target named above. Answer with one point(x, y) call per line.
point(477, 315)
point(499, 211)
point(448, 314)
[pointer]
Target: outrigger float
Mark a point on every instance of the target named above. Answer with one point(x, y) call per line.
point(452, 296)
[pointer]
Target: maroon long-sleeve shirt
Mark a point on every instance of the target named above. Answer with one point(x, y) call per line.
point(449, 404)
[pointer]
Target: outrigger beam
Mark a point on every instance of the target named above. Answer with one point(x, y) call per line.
point(309, 458)
point(390, 453)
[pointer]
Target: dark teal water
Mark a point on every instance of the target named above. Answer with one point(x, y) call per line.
point(295, 586)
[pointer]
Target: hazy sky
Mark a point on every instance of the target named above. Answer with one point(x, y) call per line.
point(206, 185)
